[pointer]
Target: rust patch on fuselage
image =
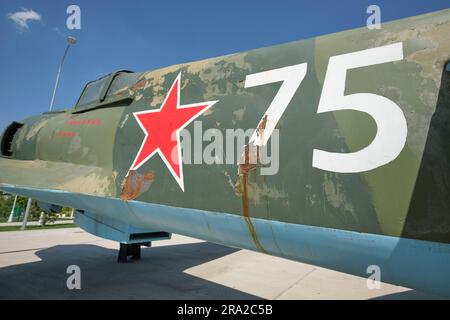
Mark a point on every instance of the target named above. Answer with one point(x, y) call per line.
point(260, 130)
point(121, 92)
point(139, 85)
point(244, 169)
point(136, 184)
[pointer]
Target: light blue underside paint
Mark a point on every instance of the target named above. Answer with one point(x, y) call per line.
point(417, 264)
point(115, 230)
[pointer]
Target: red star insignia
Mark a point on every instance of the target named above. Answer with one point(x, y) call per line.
point(162, 130)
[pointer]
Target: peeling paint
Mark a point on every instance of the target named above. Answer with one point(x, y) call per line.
point(426, 43)
point(238, 115)
point(85, 152)
point(140, 84)
point(230, 182)
point(136, 184)
point(208, 112)
point(260, 132)
point(207, 69)
point(75, 145)
point(335, 194)
point(121, 92)
point(92, 183)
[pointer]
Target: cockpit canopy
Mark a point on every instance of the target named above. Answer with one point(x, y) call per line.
point(108, 89)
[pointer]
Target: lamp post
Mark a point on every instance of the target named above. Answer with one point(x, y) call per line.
point(70, 41)
point(27, 214)
point(11, 216)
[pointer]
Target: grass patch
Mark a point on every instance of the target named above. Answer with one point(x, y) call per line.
point(50, 226)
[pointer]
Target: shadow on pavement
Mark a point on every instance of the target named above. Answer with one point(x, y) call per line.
point(409, 295)
point(158, 275)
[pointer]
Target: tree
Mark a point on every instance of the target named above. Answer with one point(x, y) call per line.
point(7, 201)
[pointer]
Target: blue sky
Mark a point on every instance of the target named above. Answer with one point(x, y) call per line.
point(142, 35)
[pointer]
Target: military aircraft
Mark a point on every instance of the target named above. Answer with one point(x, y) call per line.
point(344, 162)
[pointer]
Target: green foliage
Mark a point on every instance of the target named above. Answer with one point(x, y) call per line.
point(6, 204)
point(52, 226)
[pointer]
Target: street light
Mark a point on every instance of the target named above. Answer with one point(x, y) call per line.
point(11, 216)
point(70, 41)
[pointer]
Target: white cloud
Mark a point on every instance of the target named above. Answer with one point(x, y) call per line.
point(21, 18)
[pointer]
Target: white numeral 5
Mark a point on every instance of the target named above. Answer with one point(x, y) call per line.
point(391, 123)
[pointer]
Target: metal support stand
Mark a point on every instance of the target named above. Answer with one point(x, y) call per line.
point(42, 219)
point(130, 249)
point(27, 213)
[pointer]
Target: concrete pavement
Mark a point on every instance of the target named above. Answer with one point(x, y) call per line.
point(33, 223)
point(33, 266)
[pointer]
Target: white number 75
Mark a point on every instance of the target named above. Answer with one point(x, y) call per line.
point(391, 123)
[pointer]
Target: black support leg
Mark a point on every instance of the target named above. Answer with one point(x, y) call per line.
point(126, 250)
point(136, 252)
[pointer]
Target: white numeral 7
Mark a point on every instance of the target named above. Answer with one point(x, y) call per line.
point(292, 77)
